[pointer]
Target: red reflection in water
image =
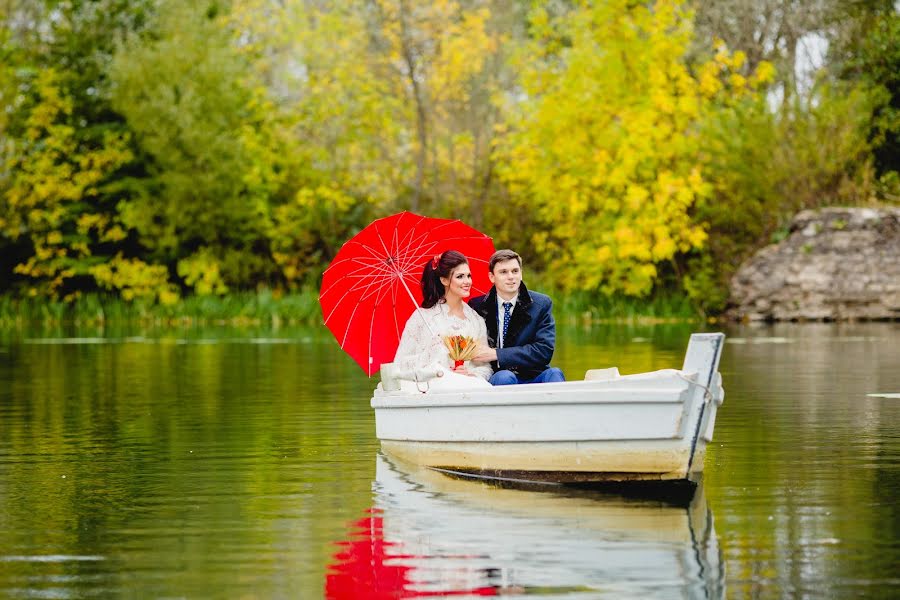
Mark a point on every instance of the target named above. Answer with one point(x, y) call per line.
point(368, 568)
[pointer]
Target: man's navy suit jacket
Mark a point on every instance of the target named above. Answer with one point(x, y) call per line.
point(531, 336)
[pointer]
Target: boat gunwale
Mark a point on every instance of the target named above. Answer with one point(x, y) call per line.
point(672, 389)
point(412, 401)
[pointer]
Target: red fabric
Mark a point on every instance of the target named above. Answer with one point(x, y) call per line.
point(365, 293)
point(358, 571)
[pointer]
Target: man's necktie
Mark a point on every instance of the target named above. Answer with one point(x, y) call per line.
point(507, 306)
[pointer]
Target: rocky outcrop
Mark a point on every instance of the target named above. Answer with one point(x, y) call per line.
point(836, 264)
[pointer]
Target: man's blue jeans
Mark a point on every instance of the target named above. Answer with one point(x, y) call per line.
point(505, 377)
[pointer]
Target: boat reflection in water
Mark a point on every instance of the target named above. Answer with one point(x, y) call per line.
point(433, 535)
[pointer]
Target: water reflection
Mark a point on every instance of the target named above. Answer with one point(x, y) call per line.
point(219, 463)
point(432, 535)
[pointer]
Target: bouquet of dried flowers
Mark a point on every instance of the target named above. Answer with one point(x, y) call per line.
point(461, 348)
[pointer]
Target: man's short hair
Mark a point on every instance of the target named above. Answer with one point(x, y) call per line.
point(501, 256)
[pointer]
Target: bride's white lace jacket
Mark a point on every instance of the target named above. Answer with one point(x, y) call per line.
point(419, 347)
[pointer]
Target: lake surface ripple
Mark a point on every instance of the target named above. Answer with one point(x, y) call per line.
point(221, 463)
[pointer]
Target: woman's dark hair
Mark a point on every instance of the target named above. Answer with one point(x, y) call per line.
point(439, 266)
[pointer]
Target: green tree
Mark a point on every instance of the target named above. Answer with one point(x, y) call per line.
point(329, 125)
point(63, 144)
point(201, 124)
point(869, 53)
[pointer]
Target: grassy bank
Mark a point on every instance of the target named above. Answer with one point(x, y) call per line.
point(266, 308)
point(597, 308)
point(245, 308)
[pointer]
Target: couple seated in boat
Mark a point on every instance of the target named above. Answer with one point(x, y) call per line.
point(504, 337)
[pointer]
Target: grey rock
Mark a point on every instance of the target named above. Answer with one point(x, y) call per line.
point(835, 264)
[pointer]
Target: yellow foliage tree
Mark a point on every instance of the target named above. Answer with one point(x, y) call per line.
point(444, 59)
point(134, 278)
point(298, 245)
point(333, 118)
point(214, 157)
point(392, 101)
point(52, 197)
point(386, 105)
point(604, 149)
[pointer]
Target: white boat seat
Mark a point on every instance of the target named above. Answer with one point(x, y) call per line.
point(601, 374)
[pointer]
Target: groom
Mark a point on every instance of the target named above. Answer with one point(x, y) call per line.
point(520, 326)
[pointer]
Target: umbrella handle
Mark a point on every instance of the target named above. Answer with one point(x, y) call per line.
point(413, 298)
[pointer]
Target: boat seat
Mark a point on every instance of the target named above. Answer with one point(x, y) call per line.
point(601, 374)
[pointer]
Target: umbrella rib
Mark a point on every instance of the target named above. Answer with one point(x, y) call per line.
point(363, 284)
point(382, 293)
point(366, 282)
point(403, 261)
point(363, 270)
point(405, 251)
point(358, 274)
point(406, 264)
point(372, 254)
point(395, 243)
point(367, 288)
point(372, 280)
point(404, 254)
point(372, 251)
point(413, 253)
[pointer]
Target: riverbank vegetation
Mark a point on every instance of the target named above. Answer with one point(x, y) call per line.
point(272, 310)
point(168, 159)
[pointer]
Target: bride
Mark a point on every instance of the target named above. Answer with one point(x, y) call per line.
point(446, 282)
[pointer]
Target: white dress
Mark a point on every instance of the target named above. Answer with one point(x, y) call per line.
point(420, 346)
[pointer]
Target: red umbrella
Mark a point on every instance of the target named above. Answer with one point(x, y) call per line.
point(373, 284)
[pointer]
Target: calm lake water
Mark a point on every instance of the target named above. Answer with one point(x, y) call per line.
point(223, 463)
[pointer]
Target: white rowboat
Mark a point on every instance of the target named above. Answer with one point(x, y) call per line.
point(607, 428)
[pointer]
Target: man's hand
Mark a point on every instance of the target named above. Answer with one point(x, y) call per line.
point(486, 355)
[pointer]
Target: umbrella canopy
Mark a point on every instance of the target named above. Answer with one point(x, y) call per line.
point(374, 283)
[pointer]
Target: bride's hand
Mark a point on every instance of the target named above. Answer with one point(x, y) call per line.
point(463, 371)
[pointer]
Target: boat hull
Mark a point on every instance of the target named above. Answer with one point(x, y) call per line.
point(560, 462)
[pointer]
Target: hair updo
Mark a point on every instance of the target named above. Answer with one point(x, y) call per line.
point(439, 266)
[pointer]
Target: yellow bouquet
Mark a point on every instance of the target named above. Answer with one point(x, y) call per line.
point(461, 348)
